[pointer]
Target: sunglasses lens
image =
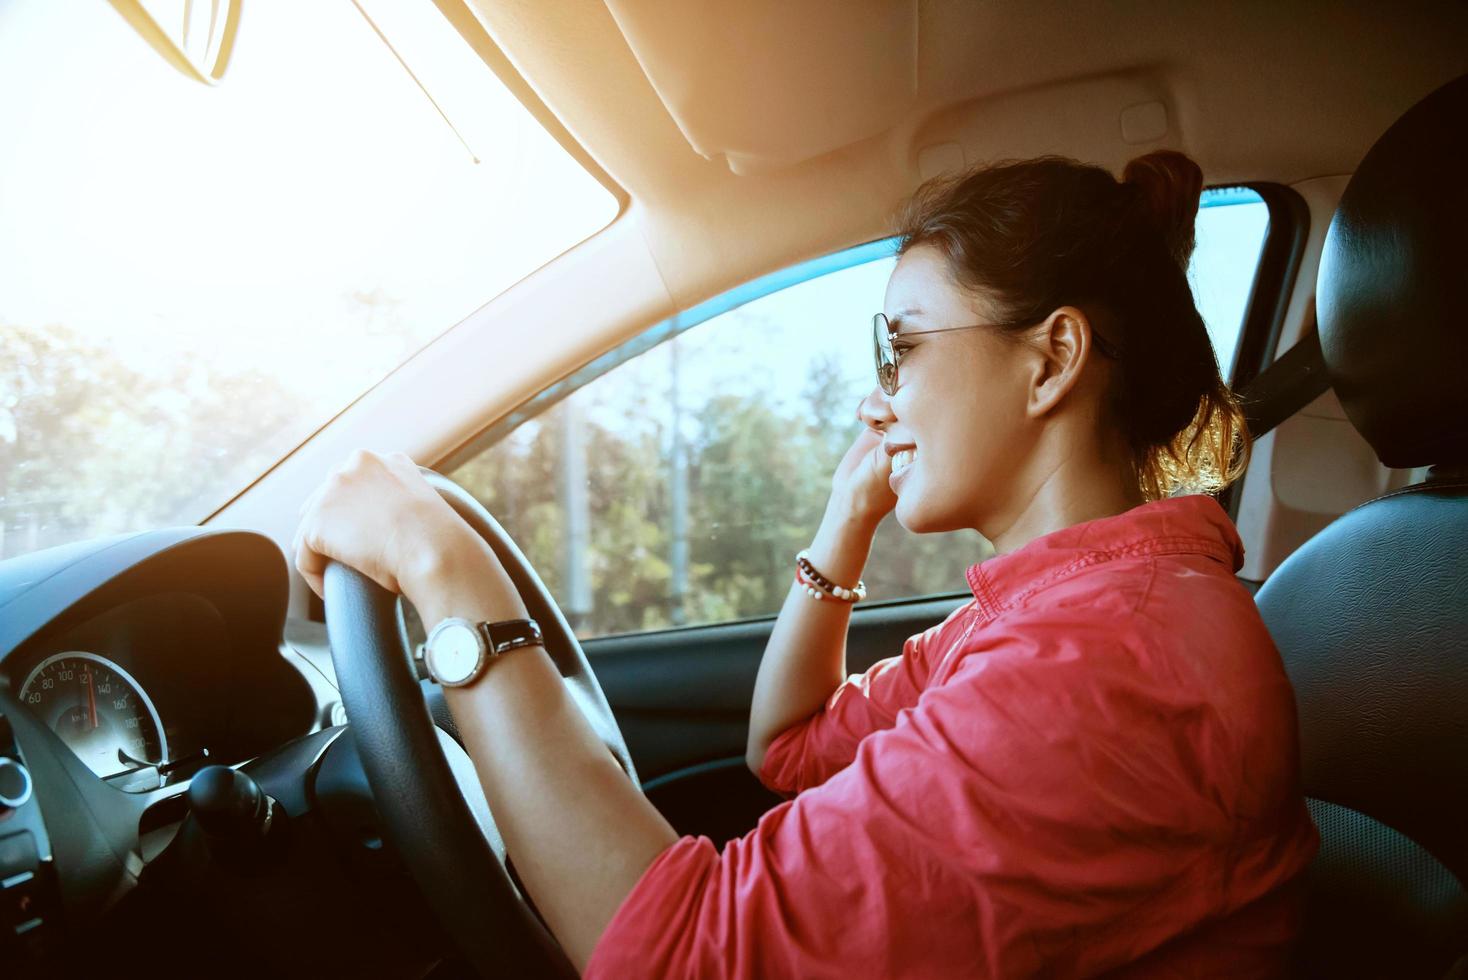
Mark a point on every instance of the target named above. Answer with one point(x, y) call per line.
point(887, 378)
point(885, 358)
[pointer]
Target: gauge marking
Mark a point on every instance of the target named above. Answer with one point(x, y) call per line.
point(97, 709)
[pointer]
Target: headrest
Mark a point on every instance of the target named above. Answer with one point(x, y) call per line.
point(1390, 297)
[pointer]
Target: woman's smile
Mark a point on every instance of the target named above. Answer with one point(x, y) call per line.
point(902, 461)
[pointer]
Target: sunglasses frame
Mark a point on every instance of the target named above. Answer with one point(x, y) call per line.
point(886, 356)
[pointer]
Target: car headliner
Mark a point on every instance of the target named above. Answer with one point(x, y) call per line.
point(1274, 92)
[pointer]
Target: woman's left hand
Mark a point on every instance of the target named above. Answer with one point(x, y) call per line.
point(378, 515)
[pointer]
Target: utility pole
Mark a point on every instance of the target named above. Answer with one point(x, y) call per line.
point(678, 500)
point(578, 600)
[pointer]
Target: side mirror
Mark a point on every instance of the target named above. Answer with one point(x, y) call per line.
point(194, 36)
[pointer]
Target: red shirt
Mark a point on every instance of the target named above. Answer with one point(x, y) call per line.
point(1093, 766)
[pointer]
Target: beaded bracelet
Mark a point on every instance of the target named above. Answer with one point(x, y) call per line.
point(817, 586)
point(810, 588)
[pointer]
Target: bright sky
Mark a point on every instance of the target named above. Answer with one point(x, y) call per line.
point(311, 218)
point(160, 215)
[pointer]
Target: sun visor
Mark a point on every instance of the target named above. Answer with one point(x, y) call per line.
point(768, 84)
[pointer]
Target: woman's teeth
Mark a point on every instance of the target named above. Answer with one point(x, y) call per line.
point(902, 460)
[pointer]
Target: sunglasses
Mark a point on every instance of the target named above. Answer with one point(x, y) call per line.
point(888, 351)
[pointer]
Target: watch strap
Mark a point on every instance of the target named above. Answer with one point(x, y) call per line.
point(510, 634)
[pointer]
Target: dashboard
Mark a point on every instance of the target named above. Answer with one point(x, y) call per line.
point(156, 667)
point(126, 666)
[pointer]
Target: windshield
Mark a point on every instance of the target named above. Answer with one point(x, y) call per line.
point(194, 279)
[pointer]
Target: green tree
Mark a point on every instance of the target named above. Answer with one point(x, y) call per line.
point(91, 446)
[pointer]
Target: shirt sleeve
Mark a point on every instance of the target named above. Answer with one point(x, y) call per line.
point(1015, 821)
point(809, 752)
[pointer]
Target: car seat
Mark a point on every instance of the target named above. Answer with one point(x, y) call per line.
point(1371, 614)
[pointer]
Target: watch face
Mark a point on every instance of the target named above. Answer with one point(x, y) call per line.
point(453, 652)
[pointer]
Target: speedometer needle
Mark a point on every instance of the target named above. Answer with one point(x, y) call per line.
point(91, 700)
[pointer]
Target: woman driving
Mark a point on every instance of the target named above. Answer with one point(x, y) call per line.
point(1090, 767)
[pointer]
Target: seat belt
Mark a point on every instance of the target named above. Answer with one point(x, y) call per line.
point(1295, 379)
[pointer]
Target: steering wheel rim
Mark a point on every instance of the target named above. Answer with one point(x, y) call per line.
point(420, 802)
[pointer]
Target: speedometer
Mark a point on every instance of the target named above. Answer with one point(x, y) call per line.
point(98, 710)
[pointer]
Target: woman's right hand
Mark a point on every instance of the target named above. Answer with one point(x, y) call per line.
point(860, 483)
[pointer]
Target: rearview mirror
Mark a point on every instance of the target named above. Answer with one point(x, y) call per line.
point(195, 36)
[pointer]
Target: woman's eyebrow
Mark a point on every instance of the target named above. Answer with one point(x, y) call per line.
point(902, 316)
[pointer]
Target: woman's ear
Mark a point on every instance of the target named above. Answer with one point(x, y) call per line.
point(1062, 345)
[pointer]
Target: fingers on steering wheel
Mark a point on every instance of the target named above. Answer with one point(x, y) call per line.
point(308, 562)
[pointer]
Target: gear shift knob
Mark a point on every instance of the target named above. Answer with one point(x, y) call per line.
point(229, 806)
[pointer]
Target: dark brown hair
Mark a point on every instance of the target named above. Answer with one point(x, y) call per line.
point(1035, 235)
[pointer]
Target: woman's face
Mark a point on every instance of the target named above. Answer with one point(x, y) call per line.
point(959, 412)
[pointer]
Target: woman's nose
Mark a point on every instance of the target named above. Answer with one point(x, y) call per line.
point(875, 410)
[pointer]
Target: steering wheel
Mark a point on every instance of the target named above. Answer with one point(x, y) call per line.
point(419, 790)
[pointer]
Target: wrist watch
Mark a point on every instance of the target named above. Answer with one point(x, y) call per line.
point(459, 650)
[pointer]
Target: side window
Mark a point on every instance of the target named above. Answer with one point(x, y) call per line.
point(676, 488)
point(1232, 224)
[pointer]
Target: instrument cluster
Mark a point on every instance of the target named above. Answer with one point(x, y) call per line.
point(147, 691)
point(102, 714)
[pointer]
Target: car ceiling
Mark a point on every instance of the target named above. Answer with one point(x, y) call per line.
point(1276, 91)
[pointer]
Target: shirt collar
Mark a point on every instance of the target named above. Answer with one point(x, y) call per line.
point(1192, 524)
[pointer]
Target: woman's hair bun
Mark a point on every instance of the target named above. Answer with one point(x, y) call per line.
point(1169, 185)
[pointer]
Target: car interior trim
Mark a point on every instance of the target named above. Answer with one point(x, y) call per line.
point(1274, 280)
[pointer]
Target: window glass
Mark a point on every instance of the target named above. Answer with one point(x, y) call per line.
point(676, 488)
point(1232, 223)
point(193, 279)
